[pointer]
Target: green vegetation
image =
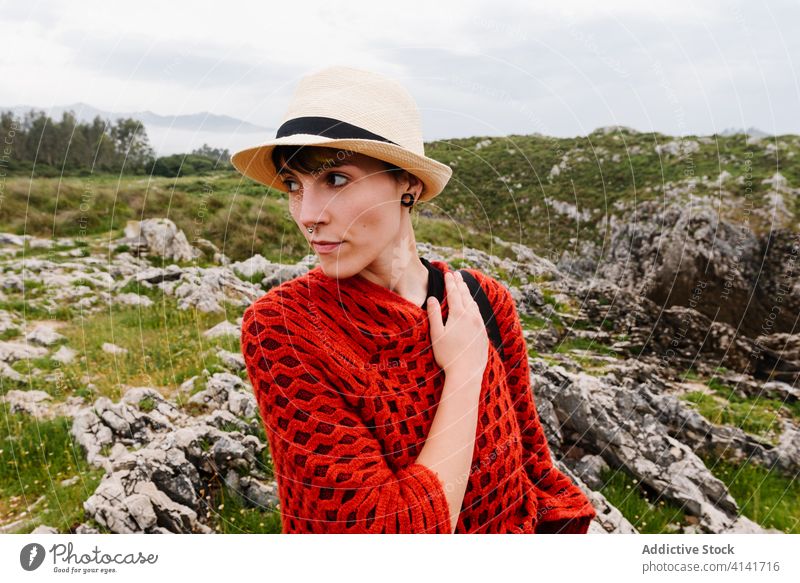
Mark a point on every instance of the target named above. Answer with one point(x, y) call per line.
point(759, 416)
point(35, 456)
point(570, 344)
point(48, 148)
point(691, 375)
point(533, 322)
point(764, 496)
point(647, 513)
point(501, 189)
point(231, 515)
point(601, 172)
point(509, 193)
point(753, 417)
point(147, 404)
point(242, 218)
point(165, 346)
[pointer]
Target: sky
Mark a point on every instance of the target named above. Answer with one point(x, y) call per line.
point(474, 67)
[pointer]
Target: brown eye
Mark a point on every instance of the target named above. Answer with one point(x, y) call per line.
point(335, 175)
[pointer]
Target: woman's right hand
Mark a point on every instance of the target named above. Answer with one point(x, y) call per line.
point(462, 345)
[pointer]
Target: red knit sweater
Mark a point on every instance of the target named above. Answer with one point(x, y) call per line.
point(347, 388)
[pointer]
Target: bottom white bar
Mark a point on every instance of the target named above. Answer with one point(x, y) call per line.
point(353, 558)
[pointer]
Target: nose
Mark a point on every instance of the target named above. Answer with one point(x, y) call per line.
point(313, 206)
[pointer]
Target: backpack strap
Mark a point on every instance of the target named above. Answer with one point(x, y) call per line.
point(486, 310)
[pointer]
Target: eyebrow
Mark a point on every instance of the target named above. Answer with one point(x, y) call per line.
point(337, 164)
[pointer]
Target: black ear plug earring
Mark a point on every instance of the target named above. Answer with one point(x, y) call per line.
point(407, 201)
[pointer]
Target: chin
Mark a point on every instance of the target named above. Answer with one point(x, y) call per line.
point(332, 268)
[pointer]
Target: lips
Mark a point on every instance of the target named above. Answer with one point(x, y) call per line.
point(326, 246)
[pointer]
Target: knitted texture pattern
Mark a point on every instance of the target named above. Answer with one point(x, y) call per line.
point(347, 388)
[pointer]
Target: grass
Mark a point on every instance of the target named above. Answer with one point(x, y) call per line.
point(499, 189)
point(533, 322)
point(242, 218)
point(35, 456)
point(550, 298)
point(165, 346)
point(766, 497)
point(9, 333)
point(759, 416)
point(567, 345)
point(691, 375)
point(30, 308)
point(147, 404)
point(232, 514)
point(647, 513)
point(753, 418)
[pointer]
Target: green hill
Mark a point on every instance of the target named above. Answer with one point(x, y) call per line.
point(546, 193)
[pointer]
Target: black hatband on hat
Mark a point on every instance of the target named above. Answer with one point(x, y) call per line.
point(327, 127)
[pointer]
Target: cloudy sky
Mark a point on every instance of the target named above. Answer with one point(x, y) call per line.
point(475, 67)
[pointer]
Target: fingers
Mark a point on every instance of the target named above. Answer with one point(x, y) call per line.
point(467, 301)
point(454, 293)
point(435, 318)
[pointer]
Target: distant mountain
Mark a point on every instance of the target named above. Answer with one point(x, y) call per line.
point(170, 134)
point(752, 132)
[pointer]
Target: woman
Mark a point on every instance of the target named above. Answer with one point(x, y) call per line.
point(385, 406)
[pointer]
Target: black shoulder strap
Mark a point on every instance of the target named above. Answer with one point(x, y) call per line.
point(486, 310)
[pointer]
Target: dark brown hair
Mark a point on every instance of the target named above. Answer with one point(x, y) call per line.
point(313, 159)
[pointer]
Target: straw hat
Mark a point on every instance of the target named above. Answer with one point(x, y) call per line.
point(356, 110)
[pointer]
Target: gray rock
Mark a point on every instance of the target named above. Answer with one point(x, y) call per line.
point(11, 239)
point(8, 320)
point(113, 348)
point(691, 428)
point(254, 266)
point(64, 355)
point(207, 289)
point(32, 402)
point(13, 351)
point(589, 469)
point(9, 373)
point(258, 494)
point(157, 487)
point(225, 420)
point(224, 328)
point(43, 529)
point(621, 425)
point(149, 490)
point(609, 519)
point(161, 237)
point(233, 361)
point(44, 336)
point(154, 275)
point(132, 299)
point(227, 391)
point(686, 255)
point(282, 274)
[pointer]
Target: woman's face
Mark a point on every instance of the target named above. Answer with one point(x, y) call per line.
point(357, 203)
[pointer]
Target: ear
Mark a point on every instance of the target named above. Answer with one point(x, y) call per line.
point(414, 184)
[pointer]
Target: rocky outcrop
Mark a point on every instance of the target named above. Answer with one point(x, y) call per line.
point(687, 255)
point(617, 420)
point(159, 237)
point(618, 409)
point(161, 462)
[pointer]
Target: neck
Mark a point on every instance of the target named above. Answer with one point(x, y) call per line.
point(400, 270)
